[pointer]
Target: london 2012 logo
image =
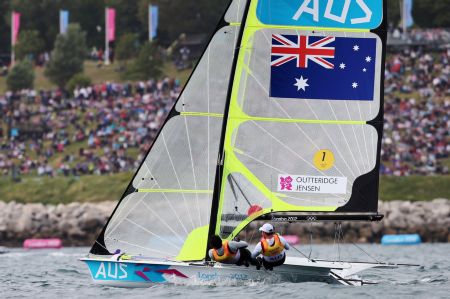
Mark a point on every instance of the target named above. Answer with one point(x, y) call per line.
point(285, 183)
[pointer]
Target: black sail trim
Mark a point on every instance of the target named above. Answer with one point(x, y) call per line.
point(99, 247)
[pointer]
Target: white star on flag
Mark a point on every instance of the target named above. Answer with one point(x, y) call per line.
point(364, 70)
point(355, 85)
point(368, 59)
point(301, 83)
point(356, 48)
point(342, 66)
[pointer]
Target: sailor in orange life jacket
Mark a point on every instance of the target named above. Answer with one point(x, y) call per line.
point(272, 247)
point(230, 252)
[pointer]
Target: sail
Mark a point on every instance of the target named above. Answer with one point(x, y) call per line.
point(166, 211)
point(283, 113)
point(305, 117)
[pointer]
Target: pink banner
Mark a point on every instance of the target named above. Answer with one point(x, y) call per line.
point(15, 25)
point(111, 24)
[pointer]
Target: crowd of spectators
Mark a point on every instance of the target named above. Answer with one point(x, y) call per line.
point(417, 113)
point(108, 128)
point(101, 129)
point(435, 36)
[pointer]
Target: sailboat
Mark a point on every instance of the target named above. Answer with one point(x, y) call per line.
point(281, 120)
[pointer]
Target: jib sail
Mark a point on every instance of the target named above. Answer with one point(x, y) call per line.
point(165, 212)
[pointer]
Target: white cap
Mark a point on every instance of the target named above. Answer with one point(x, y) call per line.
point(267, 228)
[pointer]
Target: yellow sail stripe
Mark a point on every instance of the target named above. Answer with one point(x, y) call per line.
point(302, 28)
point(201, 114)
point(175, 191)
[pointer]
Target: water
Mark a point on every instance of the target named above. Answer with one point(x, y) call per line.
point(59, 274)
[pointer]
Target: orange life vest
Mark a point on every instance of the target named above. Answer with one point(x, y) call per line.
point(275, 249)
point(227, 256)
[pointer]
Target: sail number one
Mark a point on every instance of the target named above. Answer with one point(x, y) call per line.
point(323, 159)
point(360, 14)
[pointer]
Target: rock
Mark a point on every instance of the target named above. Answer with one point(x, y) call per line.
point(78, 224)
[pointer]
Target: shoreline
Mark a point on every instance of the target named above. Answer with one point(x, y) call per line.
point(78, 224)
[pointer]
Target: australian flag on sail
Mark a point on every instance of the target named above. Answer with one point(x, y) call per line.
point(322, 67)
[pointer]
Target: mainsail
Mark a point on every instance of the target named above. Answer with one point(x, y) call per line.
point(283, 113)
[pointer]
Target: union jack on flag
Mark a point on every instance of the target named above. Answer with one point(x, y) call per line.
point(300, 48)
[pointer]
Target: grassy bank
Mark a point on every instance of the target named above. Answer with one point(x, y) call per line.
point(98, 75)
point(415, 188)
point(65, 190)
point(101, 188)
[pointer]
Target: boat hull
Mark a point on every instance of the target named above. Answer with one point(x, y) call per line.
point(144, 273)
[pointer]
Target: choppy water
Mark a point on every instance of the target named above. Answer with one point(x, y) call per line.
point(59, 274)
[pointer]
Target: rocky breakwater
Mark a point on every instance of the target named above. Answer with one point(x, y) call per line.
point(431, 220)
point(78, 224)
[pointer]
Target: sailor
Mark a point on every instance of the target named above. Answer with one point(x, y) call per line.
point(230, 252)
point(271, 250)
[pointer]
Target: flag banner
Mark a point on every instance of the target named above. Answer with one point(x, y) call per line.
point(111, 24)
point(323, 67)
point(408, 6)
point(153, 14)
point(361, 14)
point(63, 21)
point(15, 25)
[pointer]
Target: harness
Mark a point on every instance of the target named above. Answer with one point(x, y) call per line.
point(272, 250)
point(227, 256)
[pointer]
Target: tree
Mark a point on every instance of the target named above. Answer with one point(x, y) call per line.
point(393, 13)
point(21, 76)
point(431, 13)
point(127, 47)
point(29, 43)
point(68, 56)
point(79, 80)
point(148, 63)
point(5, 30)
point(192, 17)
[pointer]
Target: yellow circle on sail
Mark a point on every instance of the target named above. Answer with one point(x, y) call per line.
point(324, 159)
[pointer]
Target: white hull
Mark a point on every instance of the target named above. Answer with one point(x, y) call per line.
point(146, 272)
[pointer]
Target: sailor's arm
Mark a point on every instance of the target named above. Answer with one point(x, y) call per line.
point(210, 253)
point(284, 242)
point(234, 245)
point(257, 250)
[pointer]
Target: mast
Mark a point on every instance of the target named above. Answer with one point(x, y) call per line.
point(221, 153)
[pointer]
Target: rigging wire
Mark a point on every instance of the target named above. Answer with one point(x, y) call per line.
point(310, 239)
point(339, 240)
point(335, 237)
point(360, 248)
point(298, 250)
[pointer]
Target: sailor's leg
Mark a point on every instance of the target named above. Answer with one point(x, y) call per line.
point(267, 265)
point(270, 265)
point(244, 257)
